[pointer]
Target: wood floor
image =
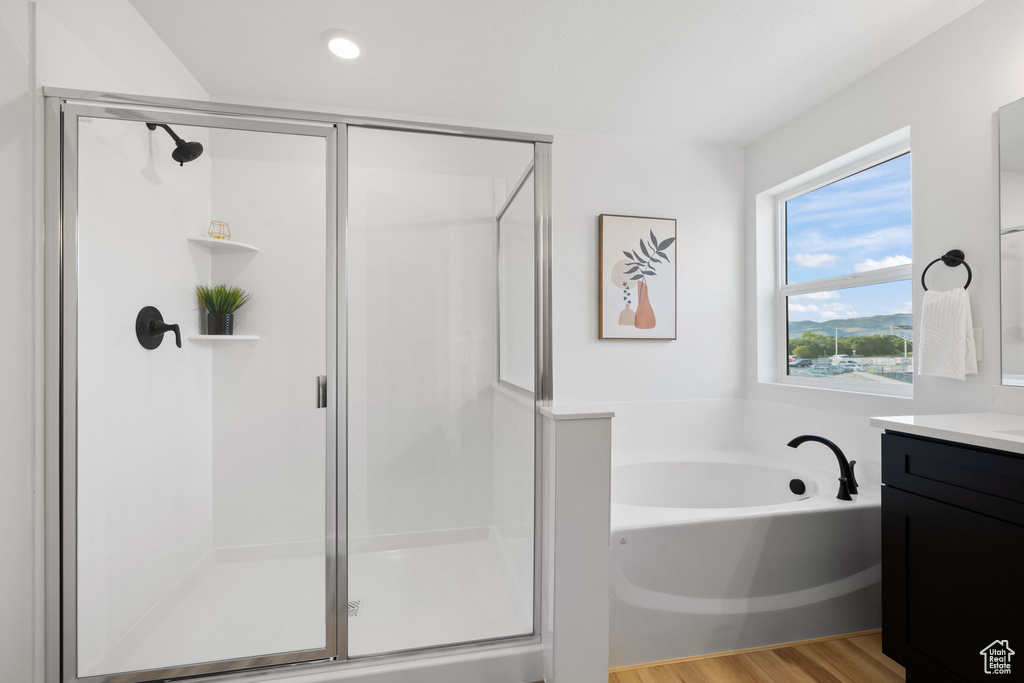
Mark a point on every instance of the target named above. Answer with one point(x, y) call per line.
point(856, 658)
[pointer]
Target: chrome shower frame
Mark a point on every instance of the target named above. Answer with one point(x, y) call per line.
point(62, 108)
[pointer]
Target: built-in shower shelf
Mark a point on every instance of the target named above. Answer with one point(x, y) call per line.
point(223, 337)
point(222, 245)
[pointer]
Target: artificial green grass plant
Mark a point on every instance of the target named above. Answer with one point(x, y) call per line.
point(221, 298)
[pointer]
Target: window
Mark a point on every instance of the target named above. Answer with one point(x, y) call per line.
point(516, 272)
point(846, 290)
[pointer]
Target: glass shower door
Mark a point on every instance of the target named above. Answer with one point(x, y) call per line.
point(440, 454)
point(200, 476)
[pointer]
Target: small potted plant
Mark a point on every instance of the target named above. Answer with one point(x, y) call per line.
point(220, 303)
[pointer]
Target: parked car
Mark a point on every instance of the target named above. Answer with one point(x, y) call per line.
point(827, 370)
point(800, 362)
point(850, 365)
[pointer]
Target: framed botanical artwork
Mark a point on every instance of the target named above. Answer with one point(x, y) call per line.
point(637, 285)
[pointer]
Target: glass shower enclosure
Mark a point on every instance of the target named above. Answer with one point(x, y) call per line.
point(352, 471)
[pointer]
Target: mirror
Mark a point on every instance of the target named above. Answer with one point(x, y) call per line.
point(1011, 229)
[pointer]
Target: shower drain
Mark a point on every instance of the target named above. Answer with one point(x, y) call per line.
point(353, 608)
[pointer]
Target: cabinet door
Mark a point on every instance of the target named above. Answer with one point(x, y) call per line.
point(952, 585)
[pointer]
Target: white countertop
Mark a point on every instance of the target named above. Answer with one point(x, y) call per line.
point(576, 412)
point(990, 430)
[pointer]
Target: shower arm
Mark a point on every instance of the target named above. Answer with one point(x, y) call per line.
point(177, 140)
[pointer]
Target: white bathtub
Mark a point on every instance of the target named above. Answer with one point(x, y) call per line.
point(711, 551)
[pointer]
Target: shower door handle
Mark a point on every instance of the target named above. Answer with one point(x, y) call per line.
point(321, 391)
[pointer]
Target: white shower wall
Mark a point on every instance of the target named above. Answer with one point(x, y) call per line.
point(269, 477)
point(144, 425)
point(421, 282)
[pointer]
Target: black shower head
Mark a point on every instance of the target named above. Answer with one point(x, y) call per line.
point(183, 151)
point(187, 151)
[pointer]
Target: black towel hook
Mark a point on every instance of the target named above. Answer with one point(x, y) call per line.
point(952, 258)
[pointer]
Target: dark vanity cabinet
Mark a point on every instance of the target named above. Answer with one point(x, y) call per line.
point(952, 560)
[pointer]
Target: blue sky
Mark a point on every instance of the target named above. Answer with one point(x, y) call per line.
point(857, 224)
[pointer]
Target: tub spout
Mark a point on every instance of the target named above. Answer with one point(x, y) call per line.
point(847, 484)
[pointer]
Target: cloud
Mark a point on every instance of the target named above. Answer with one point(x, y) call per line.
point(814, 260)
point(884, 262)
point(829, 309)
point(846, 312)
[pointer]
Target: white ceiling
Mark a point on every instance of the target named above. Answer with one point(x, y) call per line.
point(723, 71)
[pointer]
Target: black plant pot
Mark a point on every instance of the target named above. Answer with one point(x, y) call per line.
point(220, 323)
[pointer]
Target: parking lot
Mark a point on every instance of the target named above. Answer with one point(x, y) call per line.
point(883, 370)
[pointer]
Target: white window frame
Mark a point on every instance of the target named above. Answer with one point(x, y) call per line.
point(808, 183)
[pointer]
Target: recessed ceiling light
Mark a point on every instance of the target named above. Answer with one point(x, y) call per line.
point(340, 43)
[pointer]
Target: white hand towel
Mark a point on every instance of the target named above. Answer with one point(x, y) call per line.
point(946, 348)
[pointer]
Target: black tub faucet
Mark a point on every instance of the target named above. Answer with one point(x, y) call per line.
point(847, 482)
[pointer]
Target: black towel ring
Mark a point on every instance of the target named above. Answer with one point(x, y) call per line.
point(952, 258)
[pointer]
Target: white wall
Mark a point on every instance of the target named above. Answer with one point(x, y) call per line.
point(104, 45)
point(947, 89)
point(700, 186)
point(641, 426)
point(18, 354)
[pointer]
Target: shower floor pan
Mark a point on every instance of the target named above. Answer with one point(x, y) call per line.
point(432, 589)
point(406, 592)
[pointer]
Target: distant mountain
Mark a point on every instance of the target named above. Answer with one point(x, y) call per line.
point(852, 327)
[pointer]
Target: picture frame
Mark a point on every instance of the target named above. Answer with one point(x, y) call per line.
point(636, 277)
